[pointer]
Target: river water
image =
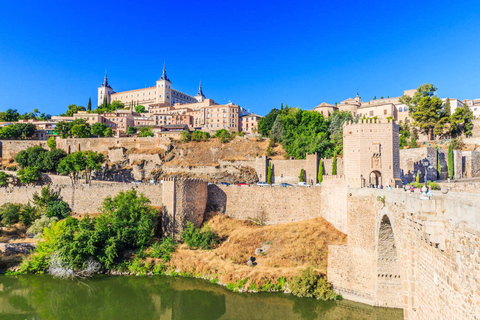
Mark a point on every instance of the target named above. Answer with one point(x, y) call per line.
point(161, 297)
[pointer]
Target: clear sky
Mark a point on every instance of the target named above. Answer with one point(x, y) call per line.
point(256, 54)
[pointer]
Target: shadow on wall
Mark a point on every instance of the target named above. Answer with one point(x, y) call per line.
point(217, 199)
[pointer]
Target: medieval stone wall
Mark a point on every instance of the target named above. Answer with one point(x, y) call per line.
point(271, 205)
point(82, 198)
point(10, 148)
point(184, 201)
point(102, 145)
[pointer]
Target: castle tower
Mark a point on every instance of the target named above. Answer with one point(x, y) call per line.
point(200, 96)
point(164, 88)
point(104, 91)
point(371, 154)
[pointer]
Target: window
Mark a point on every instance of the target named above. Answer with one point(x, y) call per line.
point(385, 111)
point(371, 113)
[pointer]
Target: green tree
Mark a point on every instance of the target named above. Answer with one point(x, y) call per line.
point(72, 109)
point(131, 130)
point(425, 90)
point(223, 135)
point(5, 179)
point(98, 129)
point(146, 132)
point(265, 124)
point(200, 136)
point(52, 158)
point(108, 132)
point(81, 131)
point(417, 177)
point(63, 129)
point(52, 143)
point(277, 131)
point(116, 105)
point(461, 121)
point(29, 175)
point(140, 109)
point(439, 165)
point(72, 165)
point(89, 105)
point(450, 161)
point(301, 177)
point(93, 162)
point(334, 165)
point(427, 114)
point(269, 173)
point(320, 172)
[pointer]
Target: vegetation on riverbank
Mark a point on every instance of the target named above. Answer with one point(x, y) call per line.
point(241, 255)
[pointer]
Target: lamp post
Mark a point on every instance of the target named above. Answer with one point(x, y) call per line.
point(281, 176)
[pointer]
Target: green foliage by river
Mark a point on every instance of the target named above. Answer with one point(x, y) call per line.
point(159, 297)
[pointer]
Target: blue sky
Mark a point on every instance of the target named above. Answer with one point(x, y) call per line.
point(257, 54)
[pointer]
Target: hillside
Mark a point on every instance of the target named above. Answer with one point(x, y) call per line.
point(287, 249)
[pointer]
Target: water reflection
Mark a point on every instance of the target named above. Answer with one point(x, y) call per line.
point(41, 297)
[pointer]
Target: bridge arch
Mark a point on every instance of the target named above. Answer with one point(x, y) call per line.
point(389, 282)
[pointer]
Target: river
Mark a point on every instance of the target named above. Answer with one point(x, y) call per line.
point(162, 297)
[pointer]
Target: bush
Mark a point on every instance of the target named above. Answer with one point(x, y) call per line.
point(163, 250)
point(10, 213)
point(36, 229)
point(433, 185)
point(28, 214)
point(310, 284)
point(58, 208)
point(200, 136)
point(5, 179)
point(198, 239)
point(224, 135)
point(457, 144)
point(29, 175)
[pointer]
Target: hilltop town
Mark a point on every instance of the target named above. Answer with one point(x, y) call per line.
point(386, 201)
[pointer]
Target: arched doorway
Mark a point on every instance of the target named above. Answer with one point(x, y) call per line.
point(375, 178)
point(389, 284)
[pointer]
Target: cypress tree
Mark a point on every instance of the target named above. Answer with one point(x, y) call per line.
point(104, 102)
point(301, 178)
point(439, 165)
point(320, 172)
point(269, 173)
point(334, 165)
point(450, 161)
point(417, 178)
point(89, 105)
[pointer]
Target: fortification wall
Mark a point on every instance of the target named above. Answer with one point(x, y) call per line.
point(102, 145)
point(289, 169)
point(273, 205)
point(333, 199)
point(10, 148)
point(82, 198)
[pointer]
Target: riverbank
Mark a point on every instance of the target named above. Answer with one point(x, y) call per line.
point(279, 252)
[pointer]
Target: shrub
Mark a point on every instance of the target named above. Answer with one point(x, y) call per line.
point(198, 239)
point(433, 185)
point(10, 213)
point(457, 144)
point(320, 172)
point(58, 208)
point(29, 175)
point(310, 284)
point(334, 165)
point(4, 179)
point(28, 214)
point(269, 173)
point(163, 250)
point(413, 143)
point(224, 135)
point(200, 136)
point(36, 229)
point(185, 136)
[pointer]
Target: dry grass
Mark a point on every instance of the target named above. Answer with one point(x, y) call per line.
point(288, 248)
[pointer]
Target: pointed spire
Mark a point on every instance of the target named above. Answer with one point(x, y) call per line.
point(164, 74)
point(105, 81)
point(200, 96)
point(357, 92)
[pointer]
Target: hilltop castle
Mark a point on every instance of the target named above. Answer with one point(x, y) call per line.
point(162, 94)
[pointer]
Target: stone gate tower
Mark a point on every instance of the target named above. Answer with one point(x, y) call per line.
point(371, 154)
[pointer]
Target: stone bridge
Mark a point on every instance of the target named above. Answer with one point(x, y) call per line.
point(405, 252)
